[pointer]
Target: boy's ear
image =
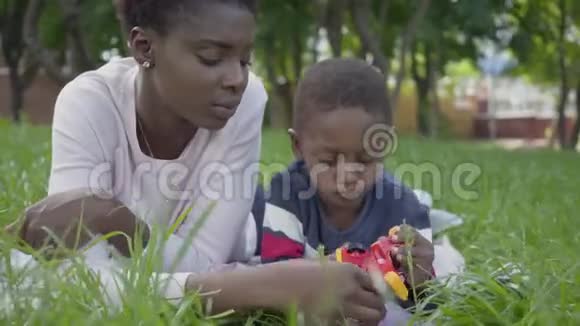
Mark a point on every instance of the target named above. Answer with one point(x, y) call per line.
point(295, 144)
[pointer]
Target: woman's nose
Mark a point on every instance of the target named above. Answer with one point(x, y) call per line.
point(235, 77)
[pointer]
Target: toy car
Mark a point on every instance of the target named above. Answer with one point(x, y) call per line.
point(378, 256)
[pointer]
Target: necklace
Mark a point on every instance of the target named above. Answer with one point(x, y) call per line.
point(144, 136)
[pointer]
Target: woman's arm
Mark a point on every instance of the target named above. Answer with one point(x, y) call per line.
point(75, 217)
point(325, 290)
point(84, 137)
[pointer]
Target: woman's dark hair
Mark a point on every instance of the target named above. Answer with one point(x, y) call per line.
point(161, 14)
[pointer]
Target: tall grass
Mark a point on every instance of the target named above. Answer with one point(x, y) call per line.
point(522, 216)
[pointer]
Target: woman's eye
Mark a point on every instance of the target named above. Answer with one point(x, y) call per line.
point(246, 61)
point(208, 61)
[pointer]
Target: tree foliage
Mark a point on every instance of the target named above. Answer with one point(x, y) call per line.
point(547, 43)
point(416, 39)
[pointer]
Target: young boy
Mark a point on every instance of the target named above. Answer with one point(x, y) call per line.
point(337, 190)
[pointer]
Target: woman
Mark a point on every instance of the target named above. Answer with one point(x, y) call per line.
point(144, 140)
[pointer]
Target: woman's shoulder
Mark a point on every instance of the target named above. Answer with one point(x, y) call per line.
point(98, 92)
point(255, 89)
point(91, 103)
point(254, 99)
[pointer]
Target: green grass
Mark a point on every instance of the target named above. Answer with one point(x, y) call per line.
point(523, 210)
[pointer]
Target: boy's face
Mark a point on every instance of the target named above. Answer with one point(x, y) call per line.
point(332, 147)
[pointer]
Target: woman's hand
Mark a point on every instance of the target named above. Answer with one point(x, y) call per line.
point(416, 252)
point(74, 217)
point(335, 286)
point(332, 291)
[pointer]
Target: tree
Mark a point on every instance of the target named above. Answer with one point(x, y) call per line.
point(284, 46)
point(370, 19)
point(449, 31)
point(21, 67)
point(74, 35)
point(331, 15)
point(574, 50)
point(548, 50)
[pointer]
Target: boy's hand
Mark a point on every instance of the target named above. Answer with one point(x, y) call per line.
point(416, 250)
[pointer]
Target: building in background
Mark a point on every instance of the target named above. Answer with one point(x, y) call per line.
point(39, 98)
point(512, 108)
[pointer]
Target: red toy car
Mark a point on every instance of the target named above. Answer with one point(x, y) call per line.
point(378, 256)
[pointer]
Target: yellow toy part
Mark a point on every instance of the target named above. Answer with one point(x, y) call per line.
point(394, 230)
point(397, 285)
point(339, 255)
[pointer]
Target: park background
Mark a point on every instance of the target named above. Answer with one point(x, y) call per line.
point(490, 83)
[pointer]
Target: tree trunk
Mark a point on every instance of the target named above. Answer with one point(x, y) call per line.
point(433, 82)
point(576, 131)
point(362, 15)
point(79, 55)
point(422, 89)
point(384, 12)
point(13, 50)
point(407, 39)
point(423, 114)
point(81, 59)
point(30, 33)
point(334, 20)
point(297, 51)
point(16, 94)
point(279, 114)
point(285, 89)
point(564, 87)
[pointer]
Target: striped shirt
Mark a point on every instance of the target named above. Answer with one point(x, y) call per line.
point(295, 227)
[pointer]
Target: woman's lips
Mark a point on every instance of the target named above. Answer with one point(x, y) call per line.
point(223, 112)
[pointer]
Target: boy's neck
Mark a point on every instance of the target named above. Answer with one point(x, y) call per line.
point(342, 218)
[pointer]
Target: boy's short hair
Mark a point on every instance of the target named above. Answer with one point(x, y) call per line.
point(341, 83)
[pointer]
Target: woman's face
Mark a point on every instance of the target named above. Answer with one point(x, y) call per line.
point(200, 67)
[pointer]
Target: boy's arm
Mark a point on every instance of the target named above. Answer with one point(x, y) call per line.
point(282, 231)
point(282, 236)
point(417, 217)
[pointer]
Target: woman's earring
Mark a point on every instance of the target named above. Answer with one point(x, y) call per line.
point(147, 64)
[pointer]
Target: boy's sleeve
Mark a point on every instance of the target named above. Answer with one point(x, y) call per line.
point(282, 230)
